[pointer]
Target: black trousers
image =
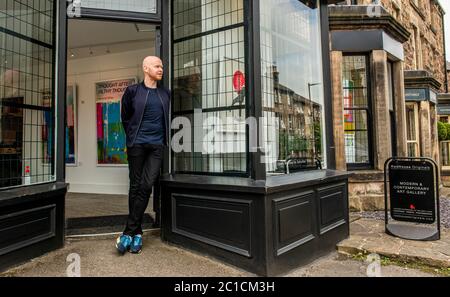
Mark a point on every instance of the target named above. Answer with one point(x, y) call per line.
point(144, 163)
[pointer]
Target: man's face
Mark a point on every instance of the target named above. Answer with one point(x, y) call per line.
point(154, 69)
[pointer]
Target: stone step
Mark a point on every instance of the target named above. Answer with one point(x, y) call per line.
point(367, 236)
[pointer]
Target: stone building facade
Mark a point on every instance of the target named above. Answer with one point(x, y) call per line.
point(424, 19)
point(402, 43)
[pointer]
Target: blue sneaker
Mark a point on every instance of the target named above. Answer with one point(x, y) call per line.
point(123, 243)
point(136, 244)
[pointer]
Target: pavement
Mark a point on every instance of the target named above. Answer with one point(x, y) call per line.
point(98, 257)
point(367, 236)
point(397, 257)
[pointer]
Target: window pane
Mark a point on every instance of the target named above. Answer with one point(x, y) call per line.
point(410, 123)
point(355, 120)
point(356, 108)
point(412, 150)
point(26, 94)
point(356, 136)
point(146, 6)
point(209, 78)
point(194, 17)
point(356, 147)
point(355, 81)
point(292, 85)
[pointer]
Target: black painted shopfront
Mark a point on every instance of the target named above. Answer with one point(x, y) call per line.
point(249, 178)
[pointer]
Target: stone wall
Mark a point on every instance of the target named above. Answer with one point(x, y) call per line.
point(364, 195)
point(425, 48)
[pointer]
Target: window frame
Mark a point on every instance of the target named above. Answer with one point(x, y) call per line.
point(369, 112)
point(106, 14)
point(56, 173)
point(392, 107)
point(245, 24)
point(416, 130)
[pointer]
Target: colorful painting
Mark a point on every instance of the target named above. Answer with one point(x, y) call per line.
point(47, 127)
point(349, 124)
point(71, 137)
point(111, 141)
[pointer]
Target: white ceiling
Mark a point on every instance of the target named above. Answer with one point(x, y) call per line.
point(90, 38)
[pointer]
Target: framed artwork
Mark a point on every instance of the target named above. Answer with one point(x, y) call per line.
point(111, 140)
point(71, 125)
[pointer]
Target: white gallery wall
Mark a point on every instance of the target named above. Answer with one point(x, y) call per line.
point(86, 176)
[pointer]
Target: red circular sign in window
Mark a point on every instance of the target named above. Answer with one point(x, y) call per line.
point(238, 81)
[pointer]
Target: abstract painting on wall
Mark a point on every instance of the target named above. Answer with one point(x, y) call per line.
point(71, 125)
point(111, 141)
point(47, 127)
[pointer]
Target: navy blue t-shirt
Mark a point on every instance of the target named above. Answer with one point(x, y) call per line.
point(152, 127)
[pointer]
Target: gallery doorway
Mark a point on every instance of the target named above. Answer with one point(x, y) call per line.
point(103, 58)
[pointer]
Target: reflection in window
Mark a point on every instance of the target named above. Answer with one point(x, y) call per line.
point(292, 86)
point(26, 93)
point(208, 85)
point(356, 110)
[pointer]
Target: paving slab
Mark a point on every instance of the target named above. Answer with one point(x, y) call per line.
point(98, 257)
point(367, 236)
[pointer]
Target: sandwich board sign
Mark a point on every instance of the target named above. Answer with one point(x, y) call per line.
point(413, 190)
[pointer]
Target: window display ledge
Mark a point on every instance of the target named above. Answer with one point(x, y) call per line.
point(17, 195)
point(239, 184)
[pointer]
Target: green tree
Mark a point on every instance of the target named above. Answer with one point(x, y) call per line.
point(447, 126)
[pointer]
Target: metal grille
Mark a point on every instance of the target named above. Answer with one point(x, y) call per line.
point(26, 92)
point(208, 85)
point(146, 6)
point(356, 110)
point(194, 17)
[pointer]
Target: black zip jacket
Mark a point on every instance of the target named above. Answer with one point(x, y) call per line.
point(133, 105)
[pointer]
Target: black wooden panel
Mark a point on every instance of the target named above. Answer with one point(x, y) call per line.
point(294, 221)
point(332, 206)
point(25, 228)
point(222, 222)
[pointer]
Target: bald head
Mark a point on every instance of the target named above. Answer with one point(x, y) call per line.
point(150, 60)
point(153, 68)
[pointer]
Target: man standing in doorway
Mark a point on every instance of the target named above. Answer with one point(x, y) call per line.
point(145, 118)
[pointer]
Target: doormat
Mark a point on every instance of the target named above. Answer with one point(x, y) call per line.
point(103, 224)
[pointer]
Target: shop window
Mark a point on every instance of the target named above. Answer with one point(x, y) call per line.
point(145, 6)
point(27, 118)
point(357, 112)
point(412, 129)
point(208, 85)
point(291, 68)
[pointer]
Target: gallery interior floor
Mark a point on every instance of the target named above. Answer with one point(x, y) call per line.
point(100, 213)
